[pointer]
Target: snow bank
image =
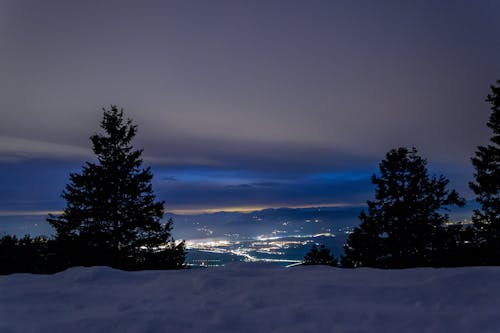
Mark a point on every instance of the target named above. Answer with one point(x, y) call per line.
point(253, 298)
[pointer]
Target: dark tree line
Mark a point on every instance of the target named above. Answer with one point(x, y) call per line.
point(111, 217)
point(407, 225)
point(30, 255)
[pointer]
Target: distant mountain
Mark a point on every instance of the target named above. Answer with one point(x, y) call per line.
point(221, 224)
point(268, 222)
point(279, 222)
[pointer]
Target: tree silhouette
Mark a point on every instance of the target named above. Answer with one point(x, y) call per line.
point(321, 256)
point(404, 225)
point(111, 215)
point(29, 255)
point(486, 185)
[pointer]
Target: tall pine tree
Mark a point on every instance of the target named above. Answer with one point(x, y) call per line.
point(112, 217)
point(487, 185)
point(404, 225)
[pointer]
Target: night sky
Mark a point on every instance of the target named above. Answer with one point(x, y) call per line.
point(243, 104)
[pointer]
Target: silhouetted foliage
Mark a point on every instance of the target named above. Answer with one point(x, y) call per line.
point(321, 256)
point(111, 216)
point(29, 255)
point(486, 186)
point(404, 226)
point(458, 246)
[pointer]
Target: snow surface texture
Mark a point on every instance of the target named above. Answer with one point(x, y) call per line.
point(253, 298)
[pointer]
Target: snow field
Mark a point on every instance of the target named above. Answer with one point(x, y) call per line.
point(253, 298)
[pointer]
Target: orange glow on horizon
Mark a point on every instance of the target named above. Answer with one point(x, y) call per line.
point(29, 212)
point(250, 209)
point(190, 211)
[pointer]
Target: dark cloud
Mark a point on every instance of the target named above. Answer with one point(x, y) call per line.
point(300, 192)
point(239, 186)
point(168, 179)
point(267, 184)
point(257, 184)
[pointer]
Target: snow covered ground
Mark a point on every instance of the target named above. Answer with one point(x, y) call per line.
point(253, 298)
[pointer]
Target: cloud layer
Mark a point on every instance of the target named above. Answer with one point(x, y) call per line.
point(281, 91)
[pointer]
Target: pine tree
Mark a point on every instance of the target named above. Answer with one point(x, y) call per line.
point(403, 226)
point(487, 185)
point(321, 256)
point(111, 215)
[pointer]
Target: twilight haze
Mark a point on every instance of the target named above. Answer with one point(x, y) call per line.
point(243, 104)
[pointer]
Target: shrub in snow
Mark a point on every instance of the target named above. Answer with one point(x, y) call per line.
point(321, 256)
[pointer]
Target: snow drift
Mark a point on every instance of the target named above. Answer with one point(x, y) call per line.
point(253, 298)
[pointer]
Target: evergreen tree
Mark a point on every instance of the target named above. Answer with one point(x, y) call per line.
point(321, 256)
point(111, 215)
point(403, 226)
point(487, 185)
